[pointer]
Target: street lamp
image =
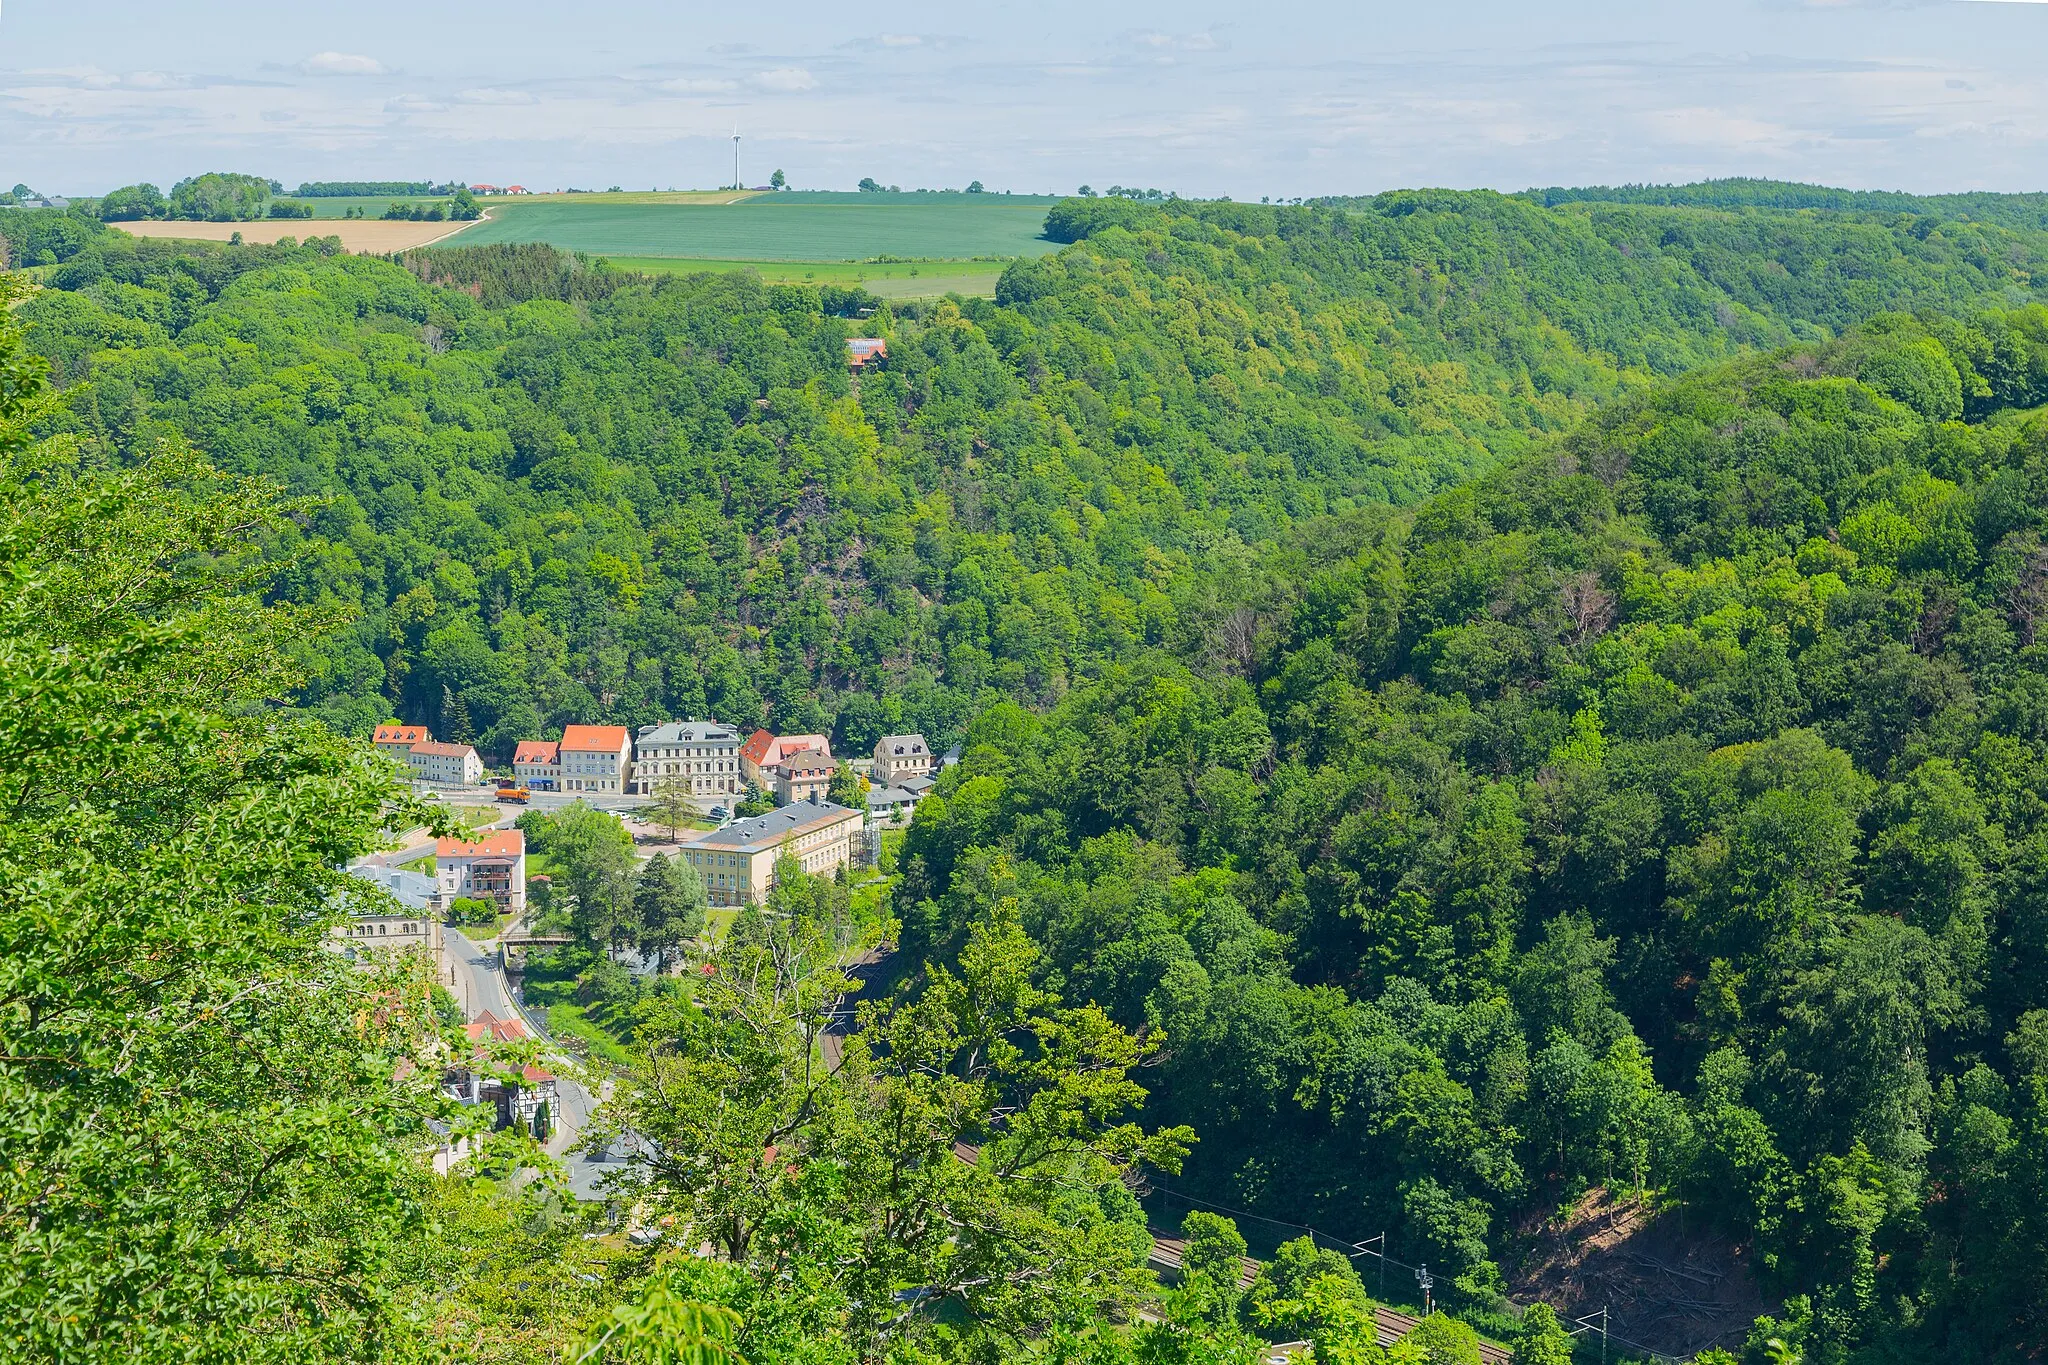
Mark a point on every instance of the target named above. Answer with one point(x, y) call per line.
point(1423, 1279)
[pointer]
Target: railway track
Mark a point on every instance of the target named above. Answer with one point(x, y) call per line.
point(1167, 1253)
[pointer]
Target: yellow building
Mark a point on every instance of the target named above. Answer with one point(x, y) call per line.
point(738, 862)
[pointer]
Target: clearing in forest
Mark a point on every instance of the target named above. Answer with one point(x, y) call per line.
point(1674, 1289)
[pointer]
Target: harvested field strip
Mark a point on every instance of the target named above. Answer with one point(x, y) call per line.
point(356, 234)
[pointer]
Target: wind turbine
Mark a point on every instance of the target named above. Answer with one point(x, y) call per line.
point(735, 156)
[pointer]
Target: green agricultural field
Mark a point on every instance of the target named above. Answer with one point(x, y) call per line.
point(373, 206)
point(886, 279)
point(779, 228)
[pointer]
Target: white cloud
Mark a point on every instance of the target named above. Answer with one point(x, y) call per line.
point(1173, 42)
point(493, 96)
point(413, 104)
point(342, 64)
point(692, 85)
point(901, 40)
point(786, 78)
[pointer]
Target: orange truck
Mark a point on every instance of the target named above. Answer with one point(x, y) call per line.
point(513, 790)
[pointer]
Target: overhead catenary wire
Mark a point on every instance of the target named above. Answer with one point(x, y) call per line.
point(1361, 1248)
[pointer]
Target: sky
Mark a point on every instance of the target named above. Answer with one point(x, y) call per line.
point(1197, 97)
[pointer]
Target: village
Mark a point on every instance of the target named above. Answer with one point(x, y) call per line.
point(741, 812)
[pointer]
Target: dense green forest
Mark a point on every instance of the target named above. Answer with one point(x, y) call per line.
point(2011, 210)
point(1464, 701)
point(564, 494)
point(1661, 809)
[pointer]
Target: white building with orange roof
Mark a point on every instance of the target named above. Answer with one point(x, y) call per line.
point(397, 740)
point(597, 759)
point(493, 869)
point(538, 764)
point(446, 765)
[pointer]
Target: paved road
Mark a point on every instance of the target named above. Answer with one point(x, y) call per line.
point(488, 990)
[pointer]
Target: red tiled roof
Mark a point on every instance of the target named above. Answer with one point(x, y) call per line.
point(764, 750)
point(755, 750)
point(488, 1025)
point(537, 751)
point(498, 843)
point(601, 739)
point(535, 1074)
point(401, 734)
point(435, 749)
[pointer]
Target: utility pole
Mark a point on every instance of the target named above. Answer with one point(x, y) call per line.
point(1422, 1278)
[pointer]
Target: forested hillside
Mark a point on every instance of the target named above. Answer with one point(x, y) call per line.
point(1464, 701)
point(557, 498)
point(1664, 809)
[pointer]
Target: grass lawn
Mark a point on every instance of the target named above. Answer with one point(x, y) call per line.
point(776, 228)
point(572, 1021)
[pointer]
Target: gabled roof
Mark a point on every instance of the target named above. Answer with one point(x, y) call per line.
point(764, 750)
point(498, 843)
point(434, 749)
point(766, 831)
point(538, 751)
point(602, 739)
point(685, 732)
point(807, 761)
point(401, 734)
point(488, 1025)
point(901, 744)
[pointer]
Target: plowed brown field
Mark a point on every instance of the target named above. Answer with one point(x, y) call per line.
point(370, 234)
